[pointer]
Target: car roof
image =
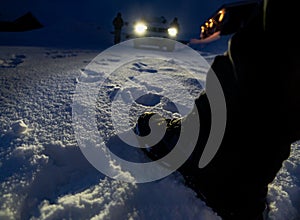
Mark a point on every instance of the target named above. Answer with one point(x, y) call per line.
point(157, 19)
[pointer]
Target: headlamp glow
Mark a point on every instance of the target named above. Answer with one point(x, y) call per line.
point(172, 32)
point(140, 28)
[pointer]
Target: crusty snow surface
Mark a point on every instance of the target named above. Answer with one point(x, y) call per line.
point(43, 173)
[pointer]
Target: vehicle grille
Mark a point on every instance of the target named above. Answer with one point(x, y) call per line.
point(156, 29)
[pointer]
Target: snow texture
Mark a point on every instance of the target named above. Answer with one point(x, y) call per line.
point(43, 172)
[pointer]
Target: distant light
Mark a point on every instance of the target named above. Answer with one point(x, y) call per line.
point(140, 28)
point(172, 32)
point(222, 12)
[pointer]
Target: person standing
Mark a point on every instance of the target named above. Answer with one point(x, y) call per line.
point(175, 24)
point(118, 24)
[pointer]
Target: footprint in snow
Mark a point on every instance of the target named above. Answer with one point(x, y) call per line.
point(141, 67)
point(12, 62)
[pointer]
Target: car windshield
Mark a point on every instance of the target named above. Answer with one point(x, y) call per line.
point(161, 20)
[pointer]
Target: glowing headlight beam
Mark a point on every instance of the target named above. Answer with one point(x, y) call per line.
point(172, 32)
point(140, 28)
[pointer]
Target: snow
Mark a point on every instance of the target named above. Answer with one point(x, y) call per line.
point(19, 127)
point(44, 174)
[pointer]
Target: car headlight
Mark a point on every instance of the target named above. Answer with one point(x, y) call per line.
point(140, 28)
point(172, 31)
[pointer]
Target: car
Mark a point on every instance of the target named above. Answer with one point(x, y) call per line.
point(154, 32)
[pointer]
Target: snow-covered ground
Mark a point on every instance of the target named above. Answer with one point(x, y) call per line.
point(44, 174)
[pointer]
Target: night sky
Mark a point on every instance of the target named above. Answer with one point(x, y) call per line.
point(190, 13)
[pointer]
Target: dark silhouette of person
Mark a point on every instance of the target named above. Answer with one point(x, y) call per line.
point(175, 24)
point(260, 81)
point(118, 24)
